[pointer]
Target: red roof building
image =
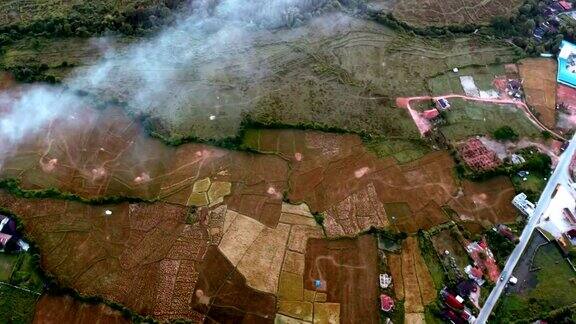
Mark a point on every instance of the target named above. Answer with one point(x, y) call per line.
point(451, 301)
point(477, 156)
point(565, 5)
point(477, 273)
point(431, 114)
point(386, 303)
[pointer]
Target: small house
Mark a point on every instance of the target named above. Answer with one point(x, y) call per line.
point(386, 303)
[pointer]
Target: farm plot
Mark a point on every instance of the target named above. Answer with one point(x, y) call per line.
point(65, 309)
point(486, 202)
point(143, 256)
point(539, 83)
point(96, 154)
point(450, 83)
point(223, 296)
point(333, 173)
point(468, 118)
point(446, 13)
point(412, 280)
point(344, 268)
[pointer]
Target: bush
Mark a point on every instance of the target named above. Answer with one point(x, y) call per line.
point(505, 133)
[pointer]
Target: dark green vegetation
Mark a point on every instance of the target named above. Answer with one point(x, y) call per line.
point(20, 287)
point(505, 133)
point(439, 273)
point(553, 288)
point(79, 18)
point(500, 246)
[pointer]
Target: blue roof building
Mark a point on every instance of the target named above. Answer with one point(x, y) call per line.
point(567, 64)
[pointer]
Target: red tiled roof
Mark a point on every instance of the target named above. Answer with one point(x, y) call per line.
point(476, 272)
point(386, 303)
point(431, 114)
point(565, 4)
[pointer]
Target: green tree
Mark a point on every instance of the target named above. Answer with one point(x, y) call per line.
point(505, 133)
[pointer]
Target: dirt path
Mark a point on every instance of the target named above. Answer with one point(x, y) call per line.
point(423, 125)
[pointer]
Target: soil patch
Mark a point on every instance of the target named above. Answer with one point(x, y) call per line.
point(486, 202)
point(539, 83)
point(346, 267)
point(65, 309)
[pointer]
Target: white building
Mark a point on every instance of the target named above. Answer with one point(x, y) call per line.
point(525, 206)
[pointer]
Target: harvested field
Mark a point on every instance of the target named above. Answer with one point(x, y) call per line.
point(333, 173)
point(486, 202)
point(419, 289)
point(143, 256)
point(96, 154)
point(223, 296)
point(395, 265)
point(345, 268)
point(446, 13)
point(356, 214)
point(539, 83)
point(65, 309)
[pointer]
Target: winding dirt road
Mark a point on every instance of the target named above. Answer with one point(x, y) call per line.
point(423, 125)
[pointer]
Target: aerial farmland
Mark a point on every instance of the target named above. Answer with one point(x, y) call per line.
point(319, 161)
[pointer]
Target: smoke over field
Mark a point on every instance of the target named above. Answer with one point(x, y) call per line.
point(147, 76)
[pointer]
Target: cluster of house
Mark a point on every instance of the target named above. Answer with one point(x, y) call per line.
point(10, 240)
point(551, 23)
point(455, 310)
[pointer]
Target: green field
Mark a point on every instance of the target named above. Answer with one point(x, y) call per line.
point(555, 287)
point(533, 185)
point(16, 306)
point(469, 118)
point(449, 82)
point(20, 287)
point(402, 150)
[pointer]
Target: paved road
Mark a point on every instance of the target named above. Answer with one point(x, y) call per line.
point(561, 175)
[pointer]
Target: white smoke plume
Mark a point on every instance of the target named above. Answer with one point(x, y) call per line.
point(147, 75)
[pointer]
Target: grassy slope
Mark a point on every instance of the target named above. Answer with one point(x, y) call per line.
point(467, 118)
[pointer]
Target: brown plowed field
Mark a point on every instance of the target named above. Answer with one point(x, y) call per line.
point(486, 202)
point(65, 309)
point(539, 83)
point(451, 12)
point(222, 294)
point(143, 256)
point(107, 154)
point(334, 173)
point(349, 270)
point(412, 280)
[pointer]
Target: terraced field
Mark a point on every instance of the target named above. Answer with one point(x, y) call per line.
point(442, 13)
point(345, 76)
